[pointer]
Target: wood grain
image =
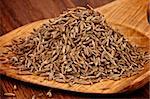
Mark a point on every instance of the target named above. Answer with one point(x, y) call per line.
point(115, 23)
point(131, 14)
point(15, 13)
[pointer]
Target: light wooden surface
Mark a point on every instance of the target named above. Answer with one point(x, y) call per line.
point(129, 17)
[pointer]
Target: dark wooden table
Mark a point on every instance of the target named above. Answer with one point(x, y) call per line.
point(15, 13)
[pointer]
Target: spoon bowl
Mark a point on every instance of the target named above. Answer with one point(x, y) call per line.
point(137, 32)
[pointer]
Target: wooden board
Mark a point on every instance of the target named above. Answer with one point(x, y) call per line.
point(129, 17)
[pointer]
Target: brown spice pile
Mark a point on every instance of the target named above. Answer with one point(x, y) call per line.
point(78, 47)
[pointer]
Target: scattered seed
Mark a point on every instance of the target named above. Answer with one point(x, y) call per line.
point(40, 94)
point(15, 87)
point(49, 94)
point(33, 97)
point(9, 94)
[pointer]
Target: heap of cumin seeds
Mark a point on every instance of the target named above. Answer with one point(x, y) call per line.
point(76, 47)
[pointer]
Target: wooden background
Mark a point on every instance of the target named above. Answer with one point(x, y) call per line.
point(15, 13)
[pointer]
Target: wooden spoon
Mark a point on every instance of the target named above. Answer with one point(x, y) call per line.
point(129, 17)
